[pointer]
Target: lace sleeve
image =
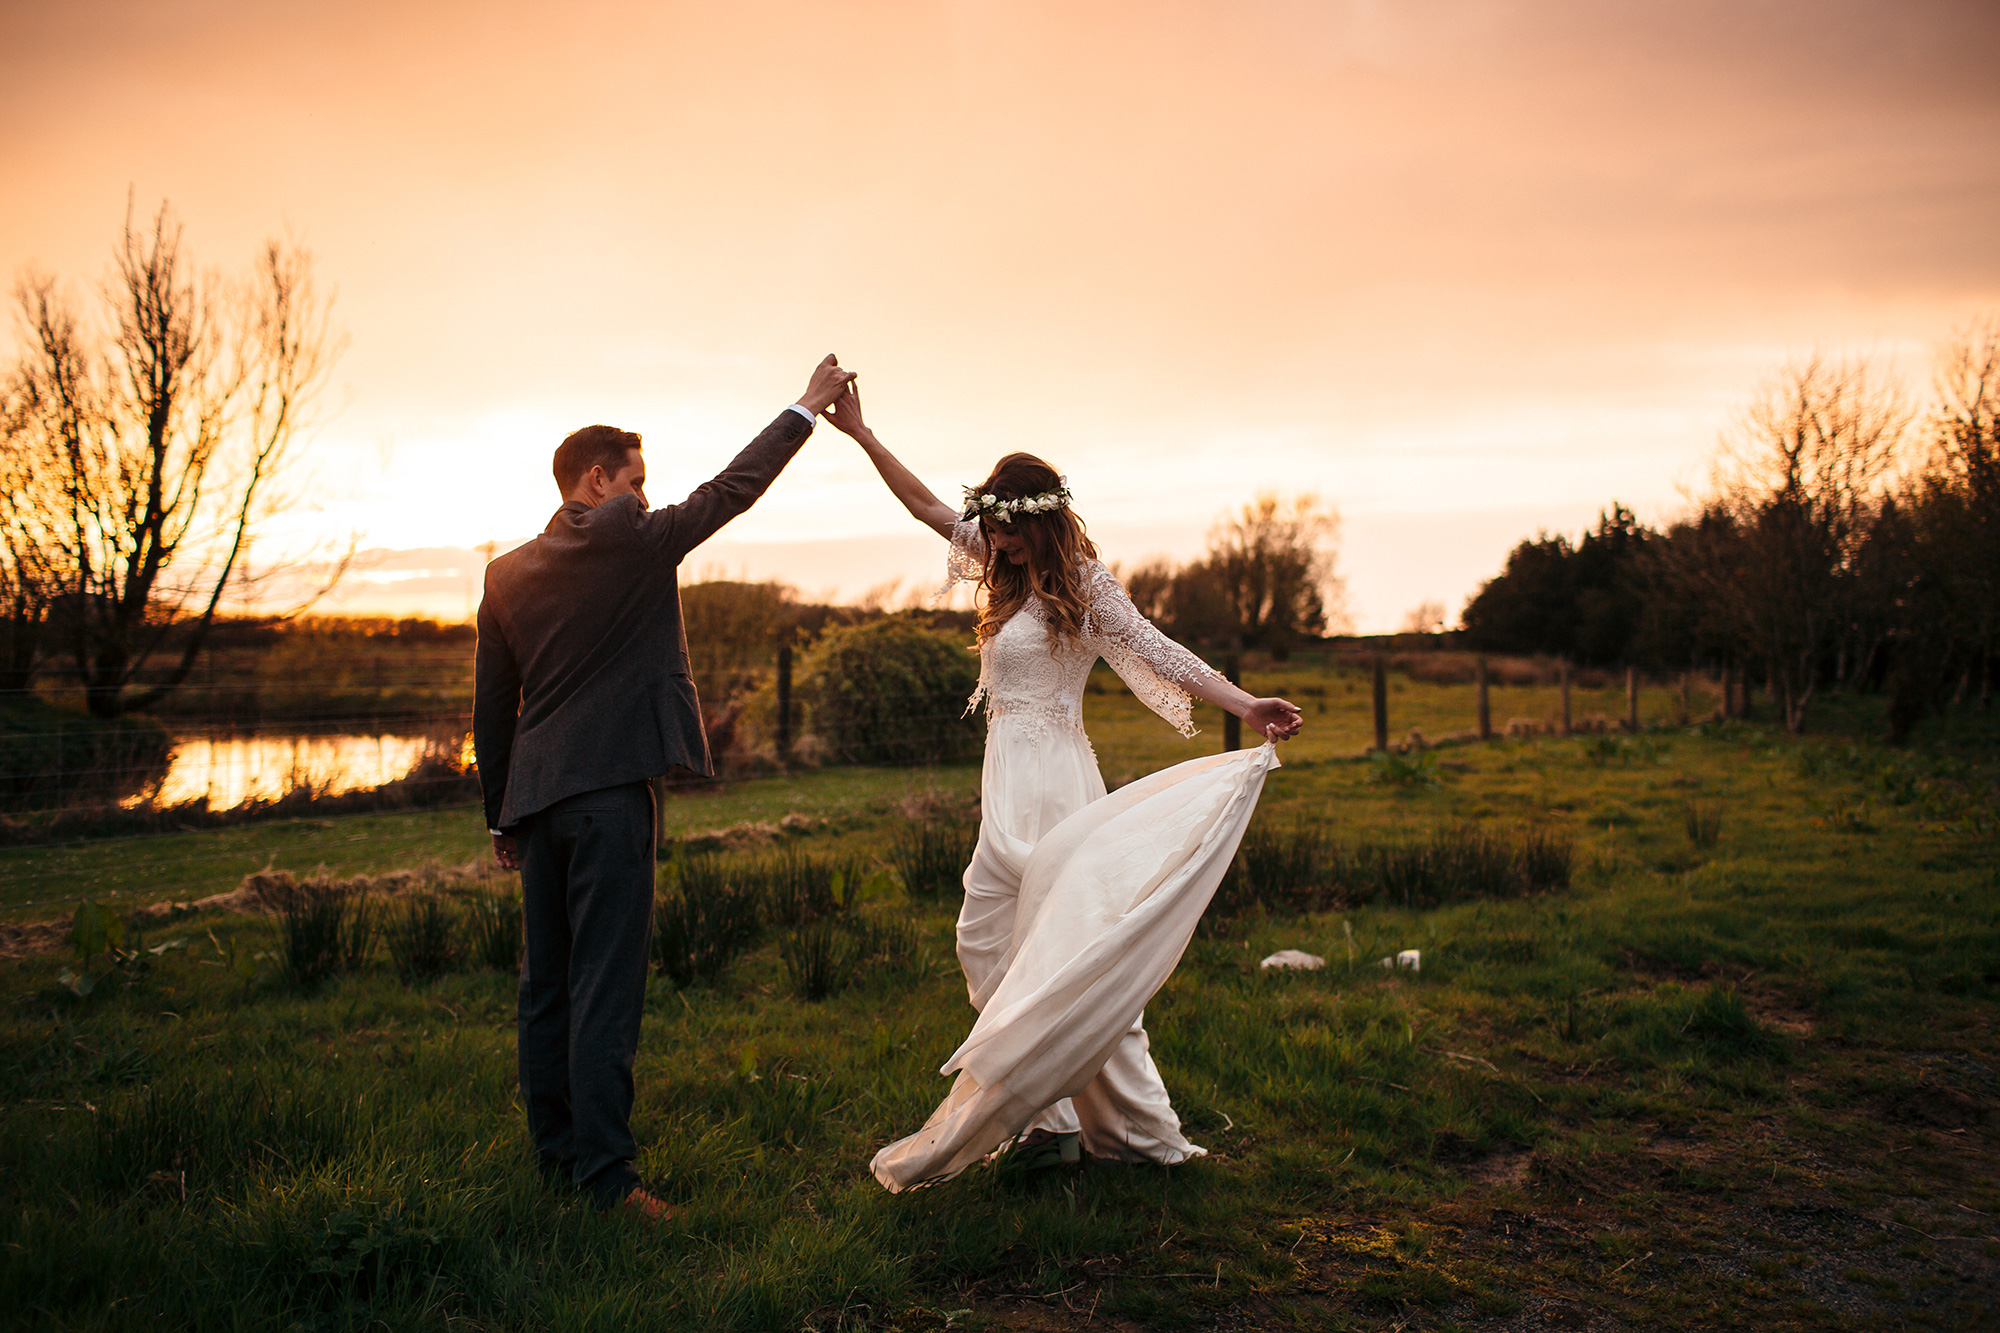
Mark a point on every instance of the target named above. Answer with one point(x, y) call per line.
point(1156, 667)
point(966, 560)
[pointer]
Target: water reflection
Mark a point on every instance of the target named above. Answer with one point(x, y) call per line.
point(232, 769)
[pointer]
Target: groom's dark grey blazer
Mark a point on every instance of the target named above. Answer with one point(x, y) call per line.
point(581, 694)
point(581, 678)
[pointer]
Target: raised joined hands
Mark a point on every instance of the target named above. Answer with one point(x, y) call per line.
point(828, 379)
point(845, 413)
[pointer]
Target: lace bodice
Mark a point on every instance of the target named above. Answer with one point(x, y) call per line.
point(1024, 674)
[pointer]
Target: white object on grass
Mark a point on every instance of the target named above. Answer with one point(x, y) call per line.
point(1412, 959)
point(1294, 960)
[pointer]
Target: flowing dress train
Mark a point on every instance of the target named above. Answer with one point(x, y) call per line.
point(1077, 904)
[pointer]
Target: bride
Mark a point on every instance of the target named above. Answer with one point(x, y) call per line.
point(1077, 904)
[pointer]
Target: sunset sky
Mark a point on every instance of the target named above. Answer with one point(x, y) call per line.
point(1465, 268)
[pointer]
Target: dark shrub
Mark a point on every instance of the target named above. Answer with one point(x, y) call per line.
point(890, 692)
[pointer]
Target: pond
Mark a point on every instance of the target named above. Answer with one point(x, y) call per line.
point(231, 768)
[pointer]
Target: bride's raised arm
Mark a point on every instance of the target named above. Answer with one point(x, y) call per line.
point(925, 507)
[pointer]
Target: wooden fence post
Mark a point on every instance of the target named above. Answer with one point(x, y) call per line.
point(1232, 725)
point(784, 703)
point(1381, 704)
point(1485, 705)
point(1565, 690)
point(1687, 697)
point(1632, 699)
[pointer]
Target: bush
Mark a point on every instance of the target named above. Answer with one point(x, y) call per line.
point(890, 692)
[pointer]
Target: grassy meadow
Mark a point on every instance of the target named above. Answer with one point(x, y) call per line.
point(1741, 1072)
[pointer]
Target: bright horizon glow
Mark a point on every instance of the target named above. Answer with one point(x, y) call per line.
point(1466, 268)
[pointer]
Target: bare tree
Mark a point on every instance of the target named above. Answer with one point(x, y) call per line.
point(1803, 481)
point(170, 435)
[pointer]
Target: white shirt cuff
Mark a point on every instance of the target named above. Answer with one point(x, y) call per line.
point(803, 411)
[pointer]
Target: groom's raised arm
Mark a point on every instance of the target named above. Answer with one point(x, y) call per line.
point(678, 529)
point(674, 530)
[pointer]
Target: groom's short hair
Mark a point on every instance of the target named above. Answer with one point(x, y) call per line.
point(593, 446)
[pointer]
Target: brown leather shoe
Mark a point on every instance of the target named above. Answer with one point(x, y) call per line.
point(648, 1208)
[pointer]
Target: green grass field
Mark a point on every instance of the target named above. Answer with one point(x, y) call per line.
point(1751, 1085)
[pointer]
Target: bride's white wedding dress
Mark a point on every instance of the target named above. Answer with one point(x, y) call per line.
point(1078, 904)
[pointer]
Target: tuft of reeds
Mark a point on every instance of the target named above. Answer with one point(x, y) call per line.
point(892, 949)
point(931, 855)
point(423, 938)
point(703, 917)
point(798, 887)
point(1302, 869)
point(820, 958)
point(1703, 822)
point(328, 928)
point(493, 922)
point(824, 958)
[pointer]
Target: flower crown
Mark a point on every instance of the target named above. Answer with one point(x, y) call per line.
point(988, 505)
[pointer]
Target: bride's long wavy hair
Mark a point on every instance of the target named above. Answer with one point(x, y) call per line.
point(1057, 548)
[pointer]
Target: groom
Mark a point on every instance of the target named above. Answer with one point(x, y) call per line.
point(581, 697)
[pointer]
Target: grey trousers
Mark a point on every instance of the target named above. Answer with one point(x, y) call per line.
point(587, 907)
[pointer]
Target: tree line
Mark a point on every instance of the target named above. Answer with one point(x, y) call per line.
point(1847, 540)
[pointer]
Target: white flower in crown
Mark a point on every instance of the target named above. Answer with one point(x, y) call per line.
point(992, 506)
